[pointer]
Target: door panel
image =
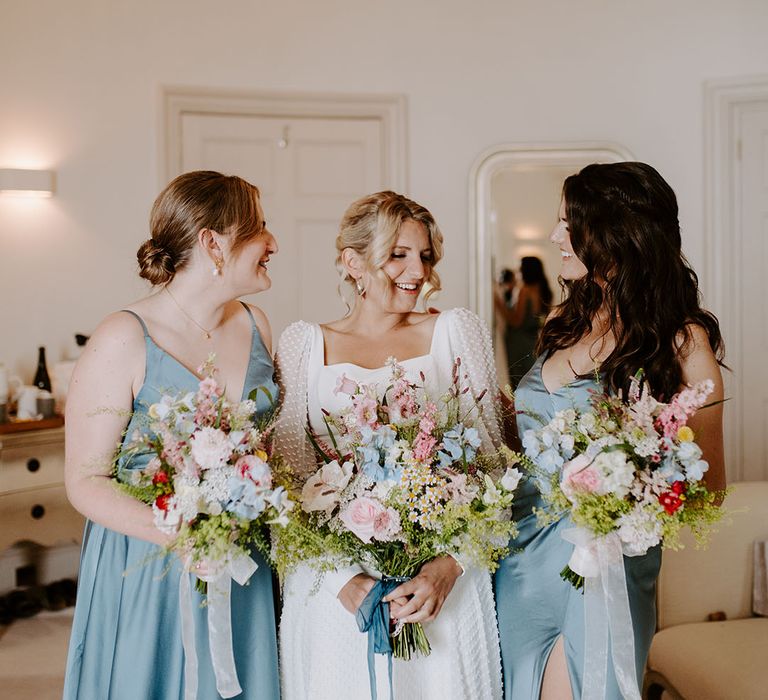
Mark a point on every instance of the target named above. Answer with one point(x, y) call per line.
point(753, 364)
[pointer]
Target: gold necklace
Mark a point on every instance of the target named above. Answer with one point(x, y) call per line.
point(204, 330)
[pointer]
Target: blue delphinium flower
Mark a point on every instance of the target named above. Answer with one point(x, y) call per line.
point(531, 444)
point(458, 443)
point(374, 455)
point(246, 499)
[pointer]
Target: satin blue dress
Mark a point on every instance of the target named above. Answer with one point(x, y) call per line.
point(534, 605)
point(126, 635)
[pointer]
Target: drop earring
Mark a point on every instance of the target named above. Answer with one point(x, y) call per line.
point(359, 287)
point(217, 268)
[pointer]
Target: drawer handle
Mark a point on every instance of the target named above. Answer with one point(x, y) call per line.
point(37, 512)
point(33, 464)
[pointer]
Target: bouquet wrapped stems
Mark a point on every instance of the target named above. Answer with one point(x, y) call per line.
point(409, 640)
point(576, 580)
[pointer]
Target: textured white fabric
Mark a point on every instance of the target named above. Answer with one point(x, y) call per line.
point(323, 655)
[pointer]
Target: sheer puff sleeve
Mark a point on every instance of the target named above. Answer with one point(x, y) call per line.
point(470, 341)
point(292, 366)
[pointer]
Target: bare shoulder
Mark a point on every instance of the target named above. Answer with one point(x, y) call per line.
point(114, 357)
point(262, 323)
point(697, 358)
point(120, 335)
point(424, 320)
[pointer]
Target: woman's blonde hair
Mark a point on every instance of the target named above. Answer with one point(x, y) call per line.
point(370, 227)
point(193, 201)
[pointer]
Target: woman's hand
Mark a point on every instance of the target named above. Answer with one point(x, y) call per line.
point(426, 591)
point(355, 590)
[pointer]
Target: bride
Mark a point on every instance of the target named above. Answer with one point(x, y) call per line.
point(387, 247)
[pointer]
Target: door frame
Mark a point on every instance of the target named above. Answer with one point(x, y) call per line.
point(389, 109)
point(724, 100)
point(485, 166)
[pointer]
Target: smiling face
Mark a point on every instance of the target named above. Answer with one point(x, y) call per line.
point(247, 267)
point(571, 267)
point(405, 272)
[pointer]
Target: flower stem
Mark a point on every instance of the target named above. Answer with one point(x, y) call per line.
point(568, 574)
point(409, 641)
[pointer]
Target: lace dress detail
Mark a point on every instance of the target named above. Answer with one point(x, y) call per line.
point(323, 655)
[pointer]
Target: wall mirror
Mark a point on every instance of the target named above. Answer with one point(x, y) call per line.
point(514, 198)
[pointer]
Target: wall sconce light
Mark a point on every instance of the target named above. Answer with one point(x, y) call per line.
point(26, 183)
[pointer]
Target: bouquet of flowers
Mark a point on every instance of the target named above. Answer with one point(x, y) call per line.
point(626, 469)
point(401, 481)
point(210, 483)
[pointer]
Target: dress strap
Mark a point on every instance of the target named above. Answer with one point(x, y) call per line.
point(140, 320)
point(250, 313)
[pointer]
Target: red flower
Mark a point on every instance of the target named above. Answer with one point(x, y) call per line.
point(678, 487)
point(670, 501)
point(163, 501)
point(160, 478)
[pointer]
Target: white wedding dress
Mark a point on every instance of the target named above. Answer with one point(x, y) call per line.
point(323, 655)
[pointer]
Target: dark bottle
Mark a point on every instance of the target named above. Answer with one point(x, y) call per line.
point(42, 380)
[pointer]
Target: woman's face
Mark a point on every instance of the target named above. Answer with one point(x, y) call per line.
point(408, 267)
point(571, 267)
point(247, 267)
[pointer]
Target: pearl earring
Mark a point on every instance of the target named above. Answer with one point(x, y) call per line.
point(216, 268)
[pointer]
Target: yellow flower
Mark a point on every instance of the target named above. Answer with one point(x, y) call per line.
point(153, 411)
point(685, 434)
point(261, 455)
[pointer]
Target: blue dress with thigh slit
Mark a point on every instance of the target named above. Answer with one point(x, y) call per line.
point(534, 605)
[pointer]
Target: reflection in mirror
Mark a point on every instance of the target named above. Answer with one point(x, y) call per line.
point(515, 196)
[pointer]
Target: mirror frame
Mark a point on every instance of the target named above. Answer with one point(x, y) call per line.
point(486, 165)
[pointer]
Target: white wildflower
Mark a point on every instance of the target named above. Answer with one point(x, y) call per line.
point(640, 529)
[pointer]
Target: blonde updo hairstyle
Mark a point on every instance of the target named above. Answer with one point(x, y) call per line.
point(191, 202)
point(370, 227)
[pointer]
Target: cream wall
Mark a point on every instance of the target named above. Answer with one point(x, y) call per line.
point(79, 92)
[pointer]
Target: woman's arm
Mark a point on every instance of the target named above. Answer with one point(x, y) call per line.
point(698, 364)
point(99, 402)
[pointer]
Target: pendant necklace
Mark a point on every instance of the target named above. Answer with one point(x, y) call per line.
point(204, 330)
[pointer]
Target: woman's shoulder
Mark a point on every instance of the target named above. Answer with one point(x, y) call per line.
point(460, 317)
point(120, 331)
point(296, 335)
point(116, 346)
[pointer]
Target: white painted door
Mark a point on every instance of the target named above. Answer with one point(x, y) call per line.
point(751, 289)
point(308, 171)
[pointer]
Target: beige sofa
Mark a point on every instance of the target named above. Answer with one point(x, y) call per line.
point(692, 658)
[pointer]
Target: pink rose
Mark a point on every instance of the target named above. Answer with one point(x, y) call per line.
point(345, 385)
point(386, 525)
point(360, 517)
point(579, 475)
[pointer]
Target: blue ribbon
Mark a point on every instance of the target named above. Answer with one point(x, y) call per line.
point(373, 617)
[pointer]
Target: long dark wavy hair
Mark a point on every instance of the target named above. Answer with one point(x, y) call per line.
point(532, 272)
point(622, 219)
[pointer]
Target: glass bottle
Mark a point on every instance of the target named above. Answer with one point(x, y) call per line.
point(42, 380)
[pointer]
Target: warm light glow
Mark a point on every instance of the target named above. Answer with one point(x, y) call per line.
point(532, 250)
point(26, 183)
point(528, 233)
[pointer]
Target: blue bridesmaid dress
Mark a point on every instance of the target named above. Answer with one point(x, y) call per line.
point(126, 636)
point(534, 605)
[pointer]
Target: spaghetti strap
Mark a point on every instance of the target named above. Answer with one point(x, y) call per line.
point(140, 320)
point(250, 313)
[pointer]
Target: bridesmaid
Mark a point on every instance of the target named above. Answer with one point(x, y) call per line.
point(209, 246)
point(632, 302)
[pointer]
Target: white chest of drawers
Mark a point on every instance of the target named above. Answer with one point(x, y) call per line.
point(33, 502)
